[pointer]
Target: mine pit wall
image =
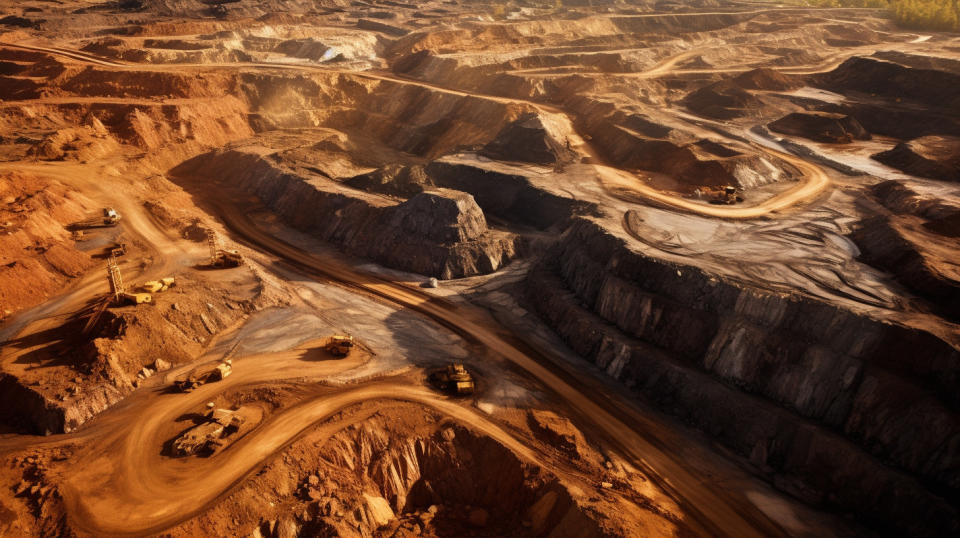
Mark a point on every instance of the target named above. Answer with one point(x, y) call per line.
point(29, 411)
point(354, 222)
point(461, 467)
point(22, 408)
point(633, 141)
point(836, 407)
point(509, 197)
point(884, 246)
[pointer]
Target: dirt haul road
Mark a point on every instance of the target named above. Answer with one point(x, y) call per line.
point(815, 179)
point(133, 490)
point(166, 252)
point(717, 513)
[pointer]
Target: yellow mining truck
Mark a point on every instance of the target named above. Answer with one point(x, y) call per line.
point(208, 436)
point(227, 258)
point(454, 379)
point(726, 195)
point(339, 345)
point(195, 379)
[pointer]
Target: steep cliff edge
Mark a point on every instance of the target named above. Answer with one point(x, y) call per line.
point(916, 243)
point(441, 232)
point(935, 157)
point(837, 407)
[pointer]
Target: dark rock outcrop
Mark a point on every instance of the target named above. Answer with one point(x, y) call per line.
point(441, 233)
point(527, 139)
point(395, 180)
point(900, 199)
point(920, 254)
point(839, 408)
point(722, 100)
point(822, 127)
point(936, 89)
point(935, 157)
point(510, 197)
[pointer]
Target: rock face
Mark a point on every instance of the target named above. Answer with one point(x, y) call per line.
point(512, 198)
point(442, 216)
point(395, 180)
point(916, 244)
point(834, 405)
point(441, 233)
point(452, 467)
point(936, 89)
point(823, 127)
point(935, 157)
point(766, 79)
point(721, 100)
point(528, 139)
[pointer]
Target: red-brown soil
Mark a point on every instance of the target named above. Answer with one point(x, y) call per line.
point(690, 302)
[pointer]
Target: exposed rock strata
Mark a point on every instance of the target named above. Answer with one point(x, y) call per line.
point(824, 127)
point(440, 233)
point(814, 393)
point(512, 198)
point(529, 139)
point(934, 157)
point(916, 243)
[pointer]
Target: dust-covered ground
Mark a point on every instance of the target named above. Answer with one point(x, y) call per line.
point(698, 259)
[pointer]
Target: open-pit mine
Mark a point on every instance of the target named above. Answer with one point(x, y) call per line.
point(456, 268)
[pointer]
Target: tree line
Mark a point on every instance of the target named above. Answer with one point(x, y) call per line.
point(918, 14)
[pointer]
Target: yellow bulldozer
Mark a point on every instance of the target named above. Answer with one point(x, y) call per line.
point(339, 345)
point(454, 379)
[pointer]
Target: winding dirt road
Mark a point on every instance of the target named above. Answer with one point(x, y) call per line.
point(815, 179)
point(126, 487)
point(717, 513)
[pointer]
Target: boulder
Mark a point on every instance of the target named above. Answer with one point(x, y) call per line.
point(377, 510)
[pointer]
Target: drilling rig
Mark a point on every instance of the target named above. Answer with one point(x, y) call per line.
point(220, 257)
point(120, 294)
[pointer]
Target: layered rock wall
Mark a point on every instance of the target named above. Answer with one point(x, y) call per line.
point(441, 233)
point(839, 407)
